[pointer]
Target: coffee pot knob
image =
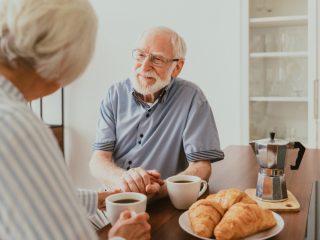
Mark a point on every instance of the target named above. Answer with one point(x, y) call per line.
point(272, 135)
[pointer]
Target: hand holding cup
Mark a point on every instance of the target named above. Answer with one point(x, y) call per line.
point(119, 202)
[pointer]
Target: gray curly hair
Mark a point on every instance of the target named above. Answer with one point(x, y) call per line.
point(55, 37)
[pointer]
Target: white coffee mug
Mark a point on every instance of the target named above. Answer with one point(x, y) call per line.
point(117, 203)
point(184, 190)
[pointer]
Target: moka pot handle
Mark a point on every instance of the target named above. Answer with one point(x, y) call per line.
point(300, 155)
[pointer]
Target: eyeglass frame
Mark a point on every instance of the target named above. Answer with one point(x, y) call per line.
point(151, 58)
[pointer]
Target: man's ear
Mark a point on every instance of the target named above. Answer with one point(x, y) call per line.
point(178, 68)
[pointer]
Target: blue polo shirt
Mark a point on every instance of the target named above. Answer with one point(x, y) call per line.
point(177, 128)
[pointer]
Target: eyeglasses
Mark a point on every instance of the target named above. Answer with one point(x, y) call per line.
point(156, 60)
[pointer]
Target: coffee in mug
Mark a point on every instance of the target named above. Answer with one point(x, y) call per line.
point(183, 190)
point(183, 181)
point(117, 203)
point(125, 201)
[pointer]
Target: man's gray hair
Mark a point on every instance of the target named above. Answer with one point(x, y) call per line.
point(178, 43)
point(54, 37)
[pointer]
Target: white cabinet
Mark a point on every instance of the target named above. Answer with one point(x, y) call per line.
point(279, 70)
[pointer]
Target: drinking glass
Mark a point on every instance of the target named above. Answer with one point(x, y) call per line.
point(259, 4)
point(268, 5)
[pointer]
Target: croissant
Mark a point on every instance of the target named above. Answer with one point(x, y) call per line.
point(226, 198)
point(246, 199)
point(204, 215)
point(242, 220)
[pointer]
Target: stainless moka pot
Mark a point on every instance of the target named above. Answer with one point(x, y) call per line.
point(271, 156)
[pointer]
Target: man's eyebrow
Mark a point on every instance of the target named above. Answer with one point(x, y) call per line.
point(144, 50)
point(157, 54)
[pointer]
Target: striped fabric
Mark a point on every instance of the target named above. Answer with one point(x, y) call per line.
point(37, 198)
point(89, 199)
point(212, 154)
point(108, 146)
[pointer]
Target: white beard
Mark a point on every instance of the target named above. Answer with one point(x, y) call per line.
point(141, 87)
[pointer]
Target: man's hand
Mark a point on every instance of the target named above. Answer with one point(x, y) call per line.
point(140, 180)
point(131, 227)
point(155, 183)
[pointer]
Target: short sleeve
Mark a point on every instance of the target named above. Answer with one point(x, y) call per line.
point(105, 131)
point(200, 136)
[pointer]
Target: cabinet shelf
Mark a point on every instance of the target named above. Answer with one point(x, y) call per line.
point(278, 54)
point(279, 21)
point(279, 99)
point(279, 63)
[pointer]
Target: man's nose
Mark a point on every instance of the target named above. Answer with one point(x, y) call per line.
point(146, 64)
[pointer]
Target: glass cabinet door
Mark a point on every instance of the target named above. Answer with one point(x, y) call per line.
point(279, 96)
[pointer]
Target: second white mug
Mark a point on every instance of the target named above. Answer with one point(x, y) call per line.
point(183, 190)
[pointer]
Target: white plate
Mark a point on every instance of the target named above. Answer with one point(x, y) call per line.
point(185, 225)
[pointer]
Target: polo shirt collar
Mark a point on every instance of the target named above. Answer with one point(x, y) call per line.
point(162, 98)
point(164, 95)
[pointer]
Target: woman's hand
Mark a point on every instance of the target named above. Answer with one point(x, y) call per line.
point(102, 196)
point(131, 226)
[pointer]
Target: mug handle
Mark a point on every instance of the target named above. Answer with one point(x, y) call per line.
point(204, 187)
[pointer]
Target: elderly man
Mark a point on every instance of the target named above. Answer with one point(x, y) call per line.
point(154, 120)
point(44, 45)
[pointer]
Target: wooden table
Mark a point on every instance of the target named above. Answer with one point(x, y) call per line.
point(239, 169)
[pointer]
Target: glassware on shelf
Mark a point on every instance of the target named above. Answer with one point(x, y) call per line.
point(297, 91)
point(259, 5)
point(291, 133)
point(293, 38)
point(297, 77)
point(257, 130)
point(281, 77)
point(265, 6)
point(297, 88)
point(292, 41)
point(258, 42)
point(272, 129)
point(284, 41)
point(268, 5)
point(272, 82)
point(254, 132)
point(270, 42)
point(274, 89)
point(299, 38)
point(257, 78)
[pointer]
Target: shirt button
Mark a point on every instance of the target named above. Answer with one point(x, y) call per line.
point(147, 115)
point(130, 162)
point(149, 110)
point(141, 135)
point(139, 142)
point(128, 168)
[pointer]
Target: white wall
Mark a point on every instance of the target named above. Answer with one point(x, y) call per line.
point(211, 29)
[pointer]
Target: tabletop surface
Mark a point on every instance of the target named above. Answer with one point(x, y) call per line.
point(239, 170)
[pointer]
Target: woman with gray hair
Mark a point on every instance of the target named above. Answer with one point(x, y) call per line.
point(44, 45)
